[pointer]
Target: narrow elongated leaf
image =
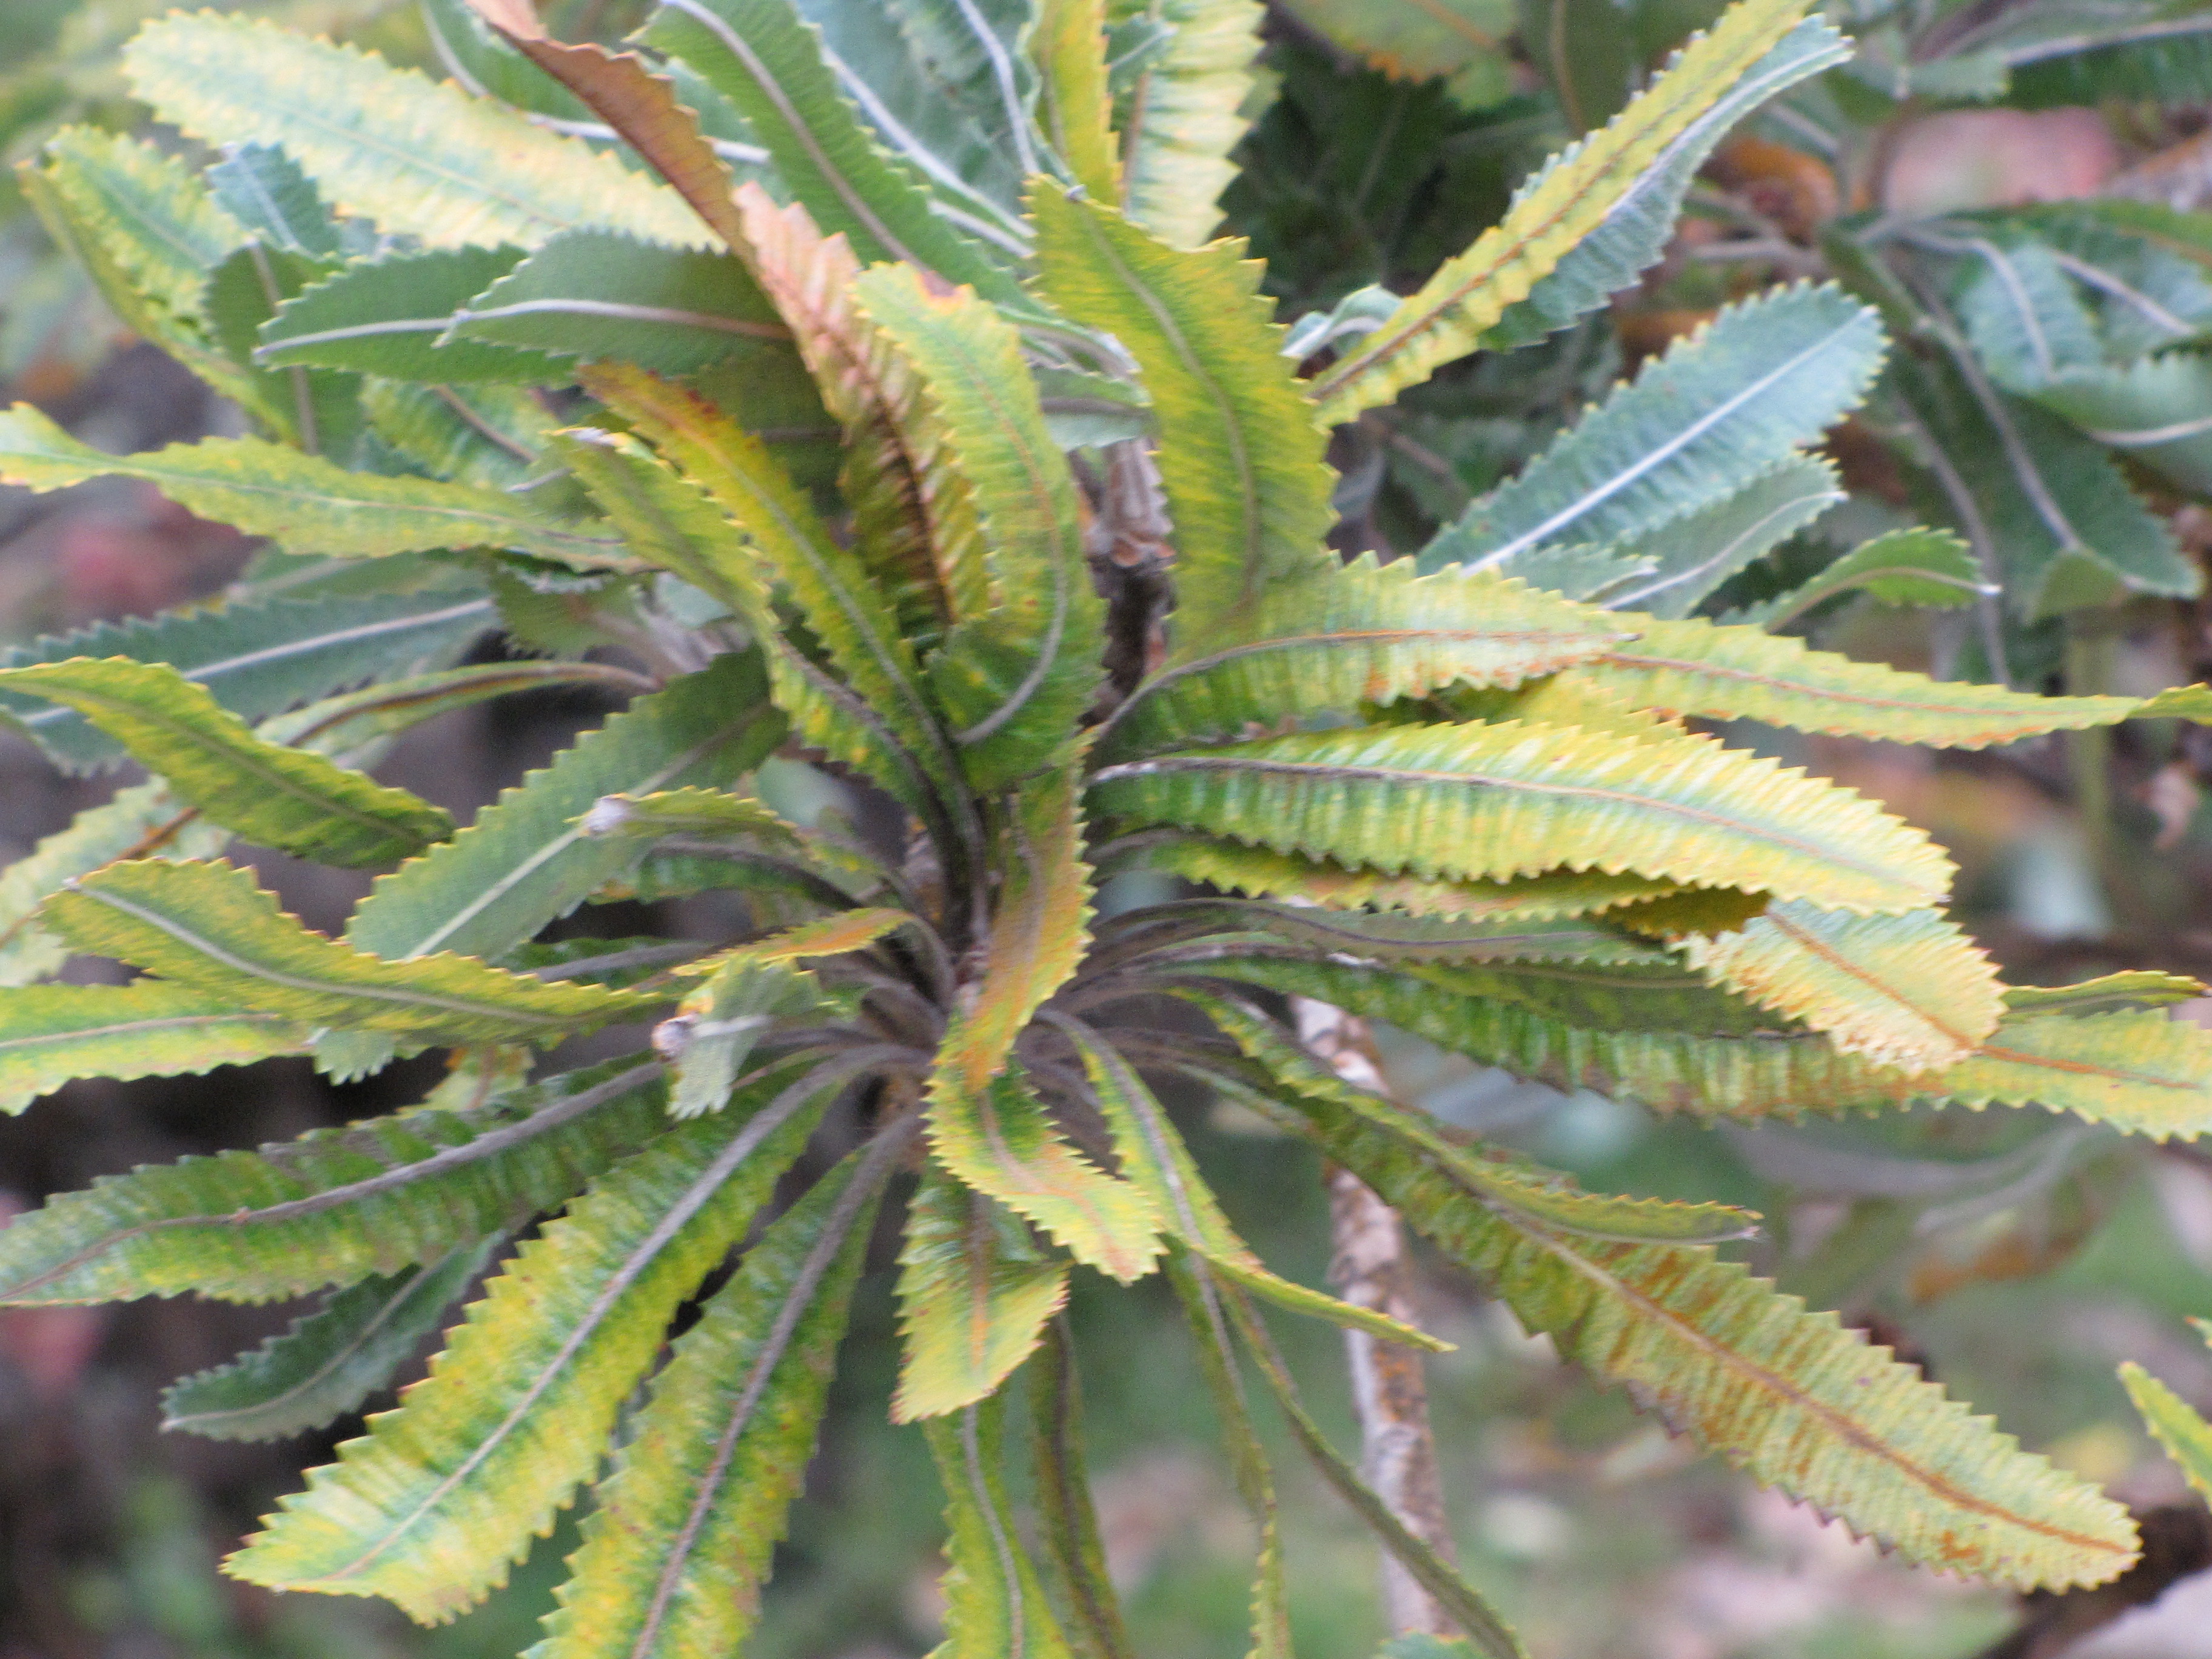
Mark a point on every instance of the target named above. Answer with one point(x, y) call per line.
point(208, 927)
point(1362, 634)
point(1075, 1552)
point(1705, 420)
point(1154, 1157)
point(1074, 103)
point(2139, 987)
point(1014, 676)
point(595, 294)
point(301, 503)
point(329, 1362)
point(2151, 409)
point(2173, 1423)
point(52, 1034)
point(1721, 671)
point(432, 1506)
point(257, 657)
point(280, 796)
point(678, 1544)
point(526, 860)
point(1500, 801)
point(390, 317)
point(1637, 228)
point(1910, 991)
point(422, 160)
point(768, 63)
point(1184, 111)
point(1239, 455)
point(1790, 1395)
point(995, 1605)
point(975, 1293)
point(1565, 203)
point(145, 821)
point(1932, 568)
point(781, 543)
point(337, 1205)
point(1692, 555)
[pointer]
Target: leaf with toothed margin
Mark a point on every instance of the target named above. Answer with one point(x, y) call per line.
point(1183, 111)
point(50, 1035)
point(302, 502)
point(677, 1546)
point(975, 1292)
point(1692, 555)
point(329, 1362)
point(422, 159)
point(1073, 1547)
point(1931, 569)
point(1499, 801)
point(2186, 1436)
point(207, 926)
point(271, 794)
point(442, 1494)
point(597, 294)
point(1074, 105)
point(335, 1206)
point(995, 1603)
point(390, 317)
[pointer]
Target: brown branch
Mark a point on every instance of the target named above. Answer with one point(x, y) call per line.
point(1370, 1268)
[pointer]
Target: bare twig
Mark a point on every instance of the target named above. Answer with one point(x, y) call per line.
point(1390, 1392)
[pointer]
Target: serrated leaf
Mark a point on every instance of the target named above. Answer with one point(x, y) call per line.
point(1239, 455)
point(1705, 419)
point(2173, 1423)
point(1461, 42)
point(1717, 671)
point(768, 63)
point(1075, 1552)
point(1153, 1156)
point(678, 1546)
point(1492, 802)
point(390, 316)
point(1692, 555)
point(2137, 987)
point(1566, 202)
point(52, 1034)
point(1074, 105)
point(716, 1028)
point(781, 543)
point(1931, 569)
point(1637, 228)
point(300, 501)
point(2021, 315)
point(264, 190)
point(1363, 633)
point(422, 160)
point(1791, 1396)
point(329, 1362)
point(288, 798)
point(2151, 409)
point(1016, 673)
point(333, 1206)
point(1183, 112)
point(431, 1507)
point(256, 657)
point(2165, 57)
point(1910, 991)
point(526, 860)
point(975, 1293)
point(208, 927)
point(597, 294)
point(995, 1605)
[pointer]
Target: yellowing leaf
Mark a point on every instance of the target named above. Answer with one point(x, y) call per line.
point(2174, 1423)
point(1184, 113)
point(50, 1034)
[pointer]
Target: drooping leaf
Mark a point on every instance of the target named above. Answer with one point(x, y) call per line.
point(52, 1034)
point(1568, 200)
point(995, 1604)
point(1363, 633)
point(1184, 111)
point(1697, 424)
point(208, 927)
point(1239, 455)
point(1014, 675)
point(430, 1508)
point(1500, 801)
point(300, 501)
point(335, 1206)
point(288, 798)
point(526, 860)
point(975, 1293)
point(678, 1544)
point(422, 160)
point(329, 1362)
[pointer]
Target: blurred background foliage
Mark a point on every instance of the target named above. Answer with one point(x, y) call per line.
point(2017, 1259)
